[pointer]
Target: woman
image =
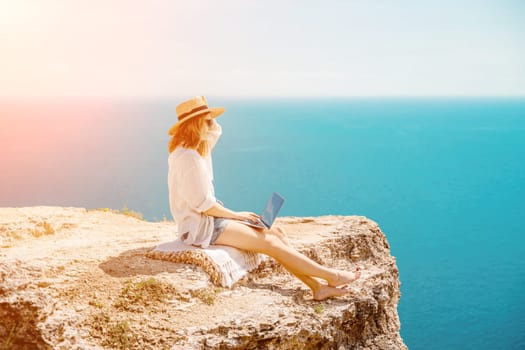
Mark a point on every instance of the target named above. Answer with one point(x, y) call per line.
point(202, 220)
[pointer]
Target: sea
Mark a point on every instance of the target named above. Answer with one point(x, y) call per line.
point(444, 178)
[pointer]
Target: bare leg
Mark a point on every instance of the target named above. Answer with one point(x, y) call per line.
point(309, 281)
point(320, 291)
point(267, 242)
point(244, 237)
point(344, 277)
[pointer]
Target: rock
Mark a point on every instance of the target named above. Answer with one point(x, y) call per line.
point(77, 279)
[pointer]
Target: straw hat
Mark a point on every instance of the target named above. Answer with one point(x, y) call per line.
point(193, 108)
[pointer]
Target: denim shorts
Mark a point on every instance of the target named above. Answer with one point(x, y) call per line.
point(219, 224)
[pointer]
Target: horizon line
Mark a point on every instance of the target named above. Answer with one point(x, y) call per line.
point(257, 96)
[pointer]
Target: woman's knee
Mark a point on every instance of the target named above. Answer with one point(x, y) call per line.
point(278, 232)
point(279, 229)
point(271, 242)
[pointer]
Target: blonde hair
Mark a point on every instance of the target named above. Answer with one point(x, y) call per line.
point(190, 134)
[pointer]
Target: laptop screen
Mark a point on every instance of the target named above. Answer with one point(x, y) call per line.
point(272, 209)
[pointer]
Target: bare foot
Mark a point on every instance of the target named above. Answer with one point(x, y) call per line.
point(345, 277)
point(325, 292)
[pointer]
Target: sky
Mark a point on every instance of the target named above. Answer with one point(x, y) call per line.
point(269, 48)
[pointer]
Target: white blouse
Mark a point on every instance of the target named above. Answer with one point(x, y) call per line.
point(191, 192)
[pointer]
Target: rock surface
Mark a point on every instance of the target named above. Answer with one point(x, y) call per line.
point(77, 279)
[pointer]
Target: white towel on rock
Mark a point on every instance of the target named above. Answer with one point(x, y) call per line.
point(232, 263)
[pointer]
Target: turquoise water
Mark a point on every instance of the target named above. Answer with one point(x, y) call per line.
point(444, 178)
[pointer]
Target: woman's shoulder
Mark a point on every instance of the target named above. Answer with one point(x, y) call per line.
point(182, 154)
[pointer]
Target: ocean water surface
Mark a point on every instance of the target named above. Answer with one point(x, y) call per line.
point(444, 179)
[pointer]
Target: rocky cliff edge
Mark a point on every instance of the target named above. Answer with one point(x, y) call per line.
point(72, 278)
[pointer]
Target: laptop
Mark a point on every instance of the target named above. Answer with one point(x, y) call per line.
point(269, 213)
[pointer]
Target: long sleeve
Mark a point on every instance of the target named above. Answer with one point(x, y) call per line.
point(191, 192)
point(214, 135)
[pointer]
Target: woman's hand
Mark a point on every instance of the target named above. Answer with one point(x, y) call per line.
point(214, 132)
point(214, 127)
point(220, 211)
point(246, 215)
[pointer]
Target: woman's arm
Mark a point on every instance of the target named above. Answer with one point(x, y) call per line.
point(214, 132)
point(220, 211)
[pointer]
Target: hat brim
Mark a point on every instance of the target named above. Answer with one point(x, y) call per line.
point(215, 112)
